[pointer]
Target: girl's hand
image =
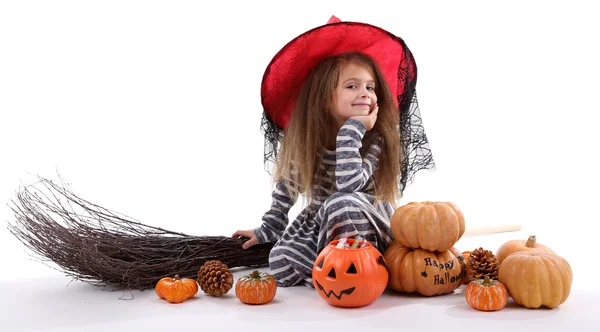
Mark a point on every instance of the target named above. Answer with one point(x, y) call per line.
point(249, 234)
point(368, 120)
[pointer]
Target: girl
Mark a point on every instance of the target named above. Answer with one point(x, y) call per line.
point(338, 121)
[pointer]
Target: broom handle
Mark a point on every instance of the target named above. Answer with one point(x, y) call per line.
point(493, 229)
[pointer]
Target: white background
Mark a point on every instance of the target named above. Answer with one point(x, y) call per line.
point(152, 109)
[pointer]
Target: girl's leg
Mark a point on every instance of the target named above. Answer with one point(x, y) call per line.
point(342, 215)
point(292, 258)
point(353, 214)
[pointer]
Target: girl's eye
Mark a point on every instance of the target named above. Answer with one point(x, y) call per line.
point(353, 86)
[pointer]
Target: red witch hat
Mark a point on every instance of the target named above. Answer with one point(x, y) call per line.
point(289, 68)
point(285, 74)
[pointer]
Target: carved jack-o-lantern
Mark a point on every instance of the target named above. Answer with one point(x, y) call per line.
point(350, 277)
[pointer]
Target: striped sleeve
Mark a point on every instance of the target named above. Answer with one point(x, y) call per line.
point(276, 220)
point(352, 172)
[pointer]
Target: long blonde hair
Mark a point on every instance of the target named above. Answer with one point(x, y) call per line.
point(310, 125)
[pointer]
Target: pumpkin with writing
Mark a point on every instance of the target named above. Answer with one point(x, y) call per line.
point(422, 271)
point(350, 277)
point(512, 246)
point(433, 226)
point(536, 279)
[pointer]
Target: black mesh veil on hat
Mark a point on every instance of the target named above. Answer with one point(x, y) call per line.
point(415, 155)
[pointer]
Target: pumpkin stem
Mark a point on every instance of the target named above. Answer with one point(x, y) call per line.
point(530, 242)
point(487, 281)
point(177, 277)
point(255, 275)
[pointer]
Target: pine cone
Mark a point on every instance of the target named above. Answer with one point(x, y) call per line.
point(215, 278)
point(482, 263)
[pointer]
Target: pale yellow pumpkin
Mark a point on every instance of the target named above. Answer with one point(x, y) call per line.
point(536, 279)
point(512, 246)
point(425, 272)
point(433, 226)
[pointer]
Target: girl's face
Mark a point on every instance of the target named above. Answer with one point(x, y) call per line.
point(354, 94)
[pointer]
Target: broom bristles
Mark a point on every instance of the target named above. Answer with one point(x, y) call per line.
point(104, 248)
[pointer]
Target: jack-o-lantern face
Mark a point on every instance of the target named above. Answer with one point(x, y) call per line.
point(332, 276)
point(350, 277)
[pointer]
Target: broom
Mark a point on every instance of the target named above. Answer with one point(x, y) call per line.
point(105, 248)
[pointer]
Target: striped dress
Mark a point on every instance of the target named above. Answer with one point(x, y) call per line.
point(342, 207)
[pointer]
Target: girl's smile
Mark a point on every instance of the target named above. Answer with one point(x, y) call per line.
point(354, 94)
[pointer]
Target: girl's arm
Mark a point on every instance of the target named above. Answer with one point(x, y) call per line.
point(275, 220)
point(352, 172)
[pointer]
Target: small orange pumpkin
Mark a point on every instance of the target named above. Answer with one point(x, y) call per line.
point(466, 255)
point(486, 294)
point(462, 259)
point(513, 246)
point(350, 277)
point(425, 272)
point(176, 290)
point(256, 288)
point(433, 226)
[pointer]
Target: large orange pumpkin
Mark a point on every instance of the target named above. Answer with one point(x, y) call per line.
point(536, 279)
point(176, 290)
point(425, 272)
point(350, 277)
point(513, 246)
point(433, 226)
